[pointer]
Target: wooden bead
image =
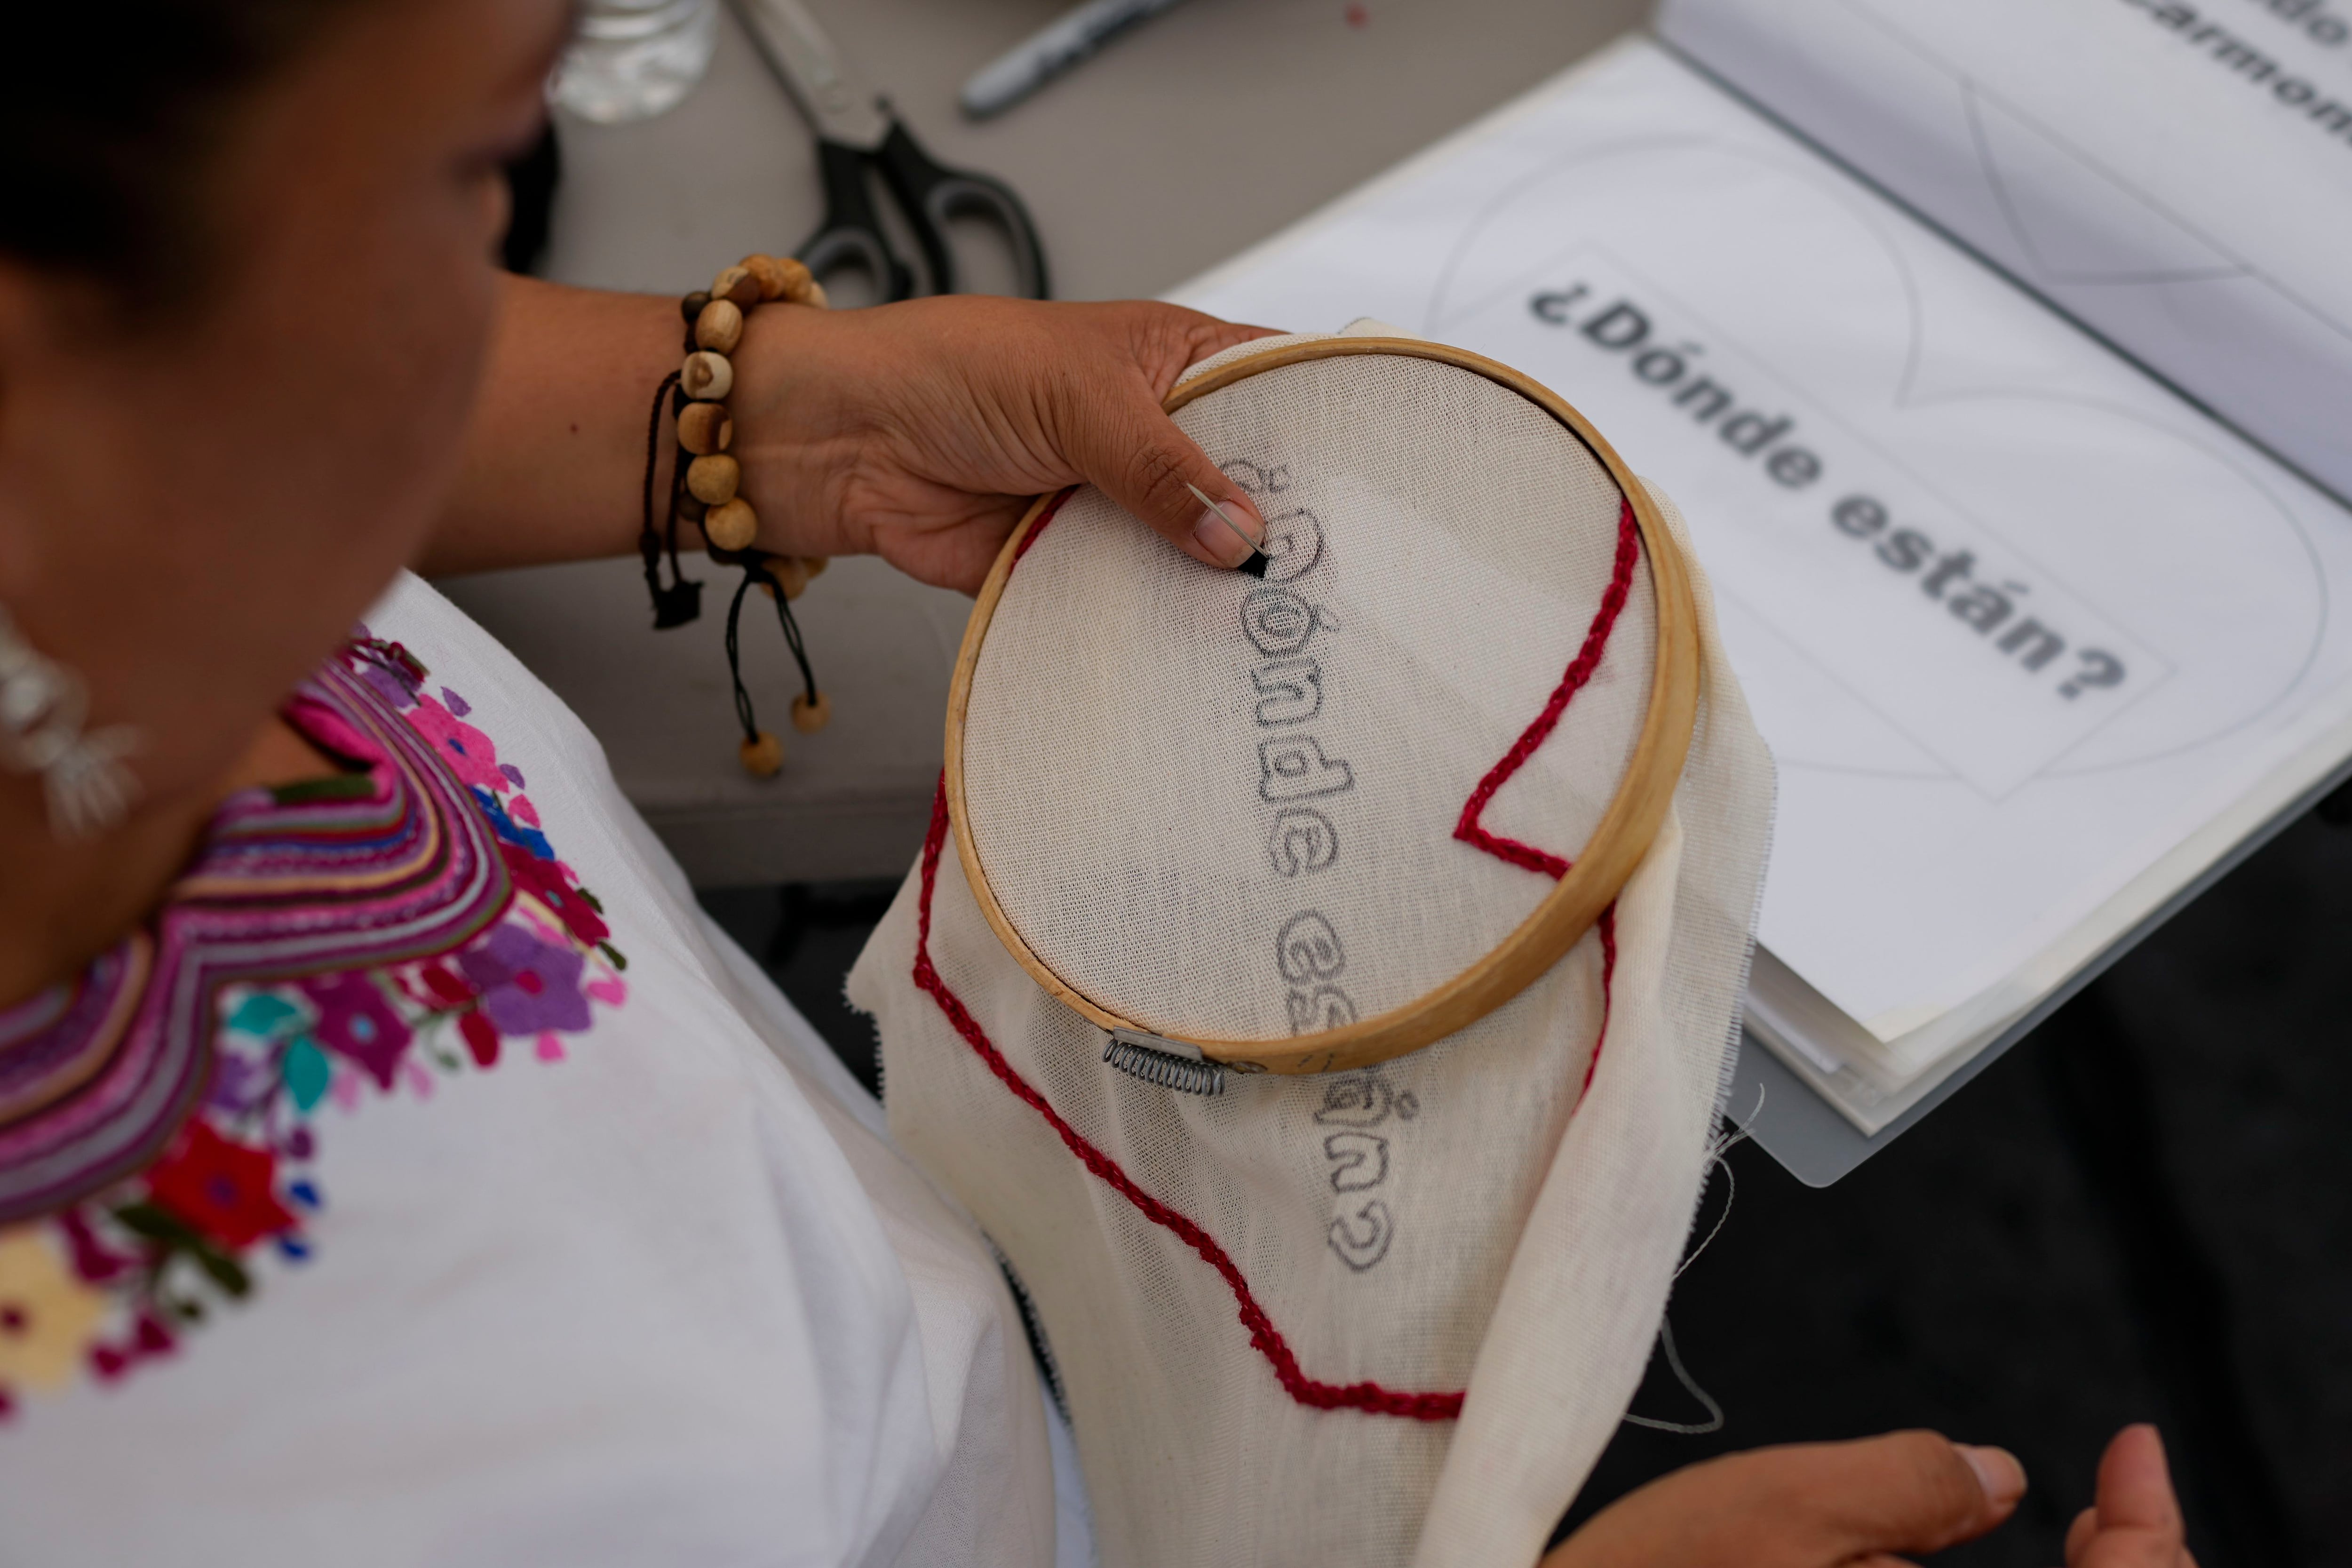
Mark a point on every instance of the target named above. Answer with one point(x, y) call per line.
point(707, 375)
point(738, 285)
point(815, 564)
point(704, 428)
point(720, 327)
point(764, 269)
point(691, 510)
point(779, 276)
point(792, 575)
point(732, 525)
point(809, 717)
point(790, 572)
point(812, 295)
point(691, 306)
point(763, 757)
point(713, 480)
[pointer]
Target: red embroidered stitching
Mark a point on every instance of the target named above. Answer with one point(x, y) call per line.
point(1608, 924)
point(1265, 1338)
point(1047, 516)
point(1579, 671)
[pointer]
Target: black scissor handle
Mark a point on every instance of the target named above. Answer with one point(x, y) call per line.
point(851, 235)
point(933, 197)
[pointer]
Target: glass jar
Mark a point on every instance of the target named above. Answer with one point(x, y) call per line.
point(631, 60)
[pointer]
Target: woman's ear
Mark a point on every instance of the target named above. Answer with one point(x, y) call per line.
point(43, 310)
point(31, 334)
point(18, 311)
point(45, 316)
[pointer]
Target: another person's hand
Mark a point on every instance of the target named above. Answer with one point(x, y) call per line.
point(2136, 1522)
point(1811, 1505)
point(919, 432)
point(1859, 1504)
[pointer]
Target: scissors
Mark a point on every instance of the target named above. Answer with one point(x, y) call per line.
point(857, 134)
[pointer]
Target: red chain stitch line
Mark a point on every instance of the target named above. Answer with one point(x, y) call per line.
point(1579, 671)
point(1044, 518)
point(1608, 923)
point(1265, 1338)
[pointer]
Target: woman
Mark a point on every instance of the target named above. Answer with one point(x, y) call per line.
point(393, 1164)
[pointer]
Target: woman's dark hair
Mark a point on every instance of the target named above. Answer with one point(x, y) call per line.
point(109, 114)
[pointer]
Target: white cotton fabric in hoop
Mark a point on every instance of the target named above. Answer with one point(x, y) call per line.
point(1246, 828)
point(1469, 1220)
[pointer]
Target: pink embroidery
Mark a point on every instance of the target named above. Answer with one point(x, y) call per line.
point(469, 751)
point(123, 1272)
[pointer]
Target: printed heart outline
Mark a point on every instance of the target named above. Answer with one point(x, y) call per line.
point(1460, 288)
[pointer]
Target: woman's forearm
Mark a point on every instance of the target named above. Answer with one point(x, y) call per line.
point(917, 431)
point(555, 458)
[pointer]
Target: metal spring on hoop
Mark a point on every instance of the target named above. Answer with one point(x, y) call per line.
point(1187, 1076)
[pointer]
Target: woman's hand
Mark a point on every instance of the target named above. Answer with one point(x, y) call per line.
point(919, 432)
point(1858, 1505)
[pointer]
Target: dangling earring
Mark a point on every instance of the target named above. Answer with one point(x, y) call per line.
point(43, 705)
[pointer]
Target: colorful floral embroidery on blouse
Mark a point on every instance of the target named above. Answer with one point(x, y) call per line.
point(371, 933)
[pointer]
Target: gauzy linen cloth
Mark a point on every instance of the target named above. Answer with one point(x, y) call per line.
point(659, 1292)
point(1382, 1316)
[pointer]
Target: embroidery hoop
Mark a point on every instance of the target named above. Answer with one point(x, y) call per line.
point(1618, 841)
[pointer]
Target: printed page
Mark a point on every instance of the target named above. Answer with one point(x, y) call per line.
point(2176, 175)
point(2018, 623)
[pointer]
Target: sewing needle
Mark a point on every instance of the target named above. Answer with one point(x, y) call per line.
point(1256, 564)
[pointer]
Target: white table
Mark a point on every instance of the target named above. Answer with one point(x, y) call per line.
point(1202, 132)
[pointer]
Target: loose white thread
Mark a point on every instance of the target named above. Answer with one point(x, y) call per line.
point(1724, 1141)
point(1714, 1422)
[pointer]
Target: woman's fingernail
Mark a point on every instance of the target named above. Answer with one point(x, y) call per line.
point(1998, 1472)
point(1224, 533)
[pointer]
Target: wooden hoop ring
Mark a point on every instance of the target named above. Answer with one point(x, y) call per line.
point(1618, 842)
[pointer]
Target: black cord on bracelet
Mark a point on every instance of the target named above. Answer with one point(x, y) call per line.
point(755, 567)
point(713, 327)
point(680, 600)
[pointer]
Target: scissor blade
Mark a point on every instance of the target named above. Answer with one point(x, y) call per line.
point(841, 104)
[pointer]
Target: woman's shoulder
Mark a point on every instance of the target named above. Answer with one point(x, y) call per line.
point(369, 935)
point(426, 1109)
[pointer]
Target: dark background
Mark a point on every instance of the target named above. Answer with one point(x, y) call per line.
point(2143, 1212)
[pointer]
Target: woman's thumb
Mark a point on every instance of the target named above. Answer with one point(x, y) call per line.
point(1135, 454)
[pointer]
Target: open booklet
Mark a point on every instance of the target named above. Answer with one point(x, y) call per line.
point(2038, 640)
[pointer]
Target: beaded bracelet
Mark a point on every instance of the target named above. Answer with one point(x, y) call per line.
point(703, 484)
